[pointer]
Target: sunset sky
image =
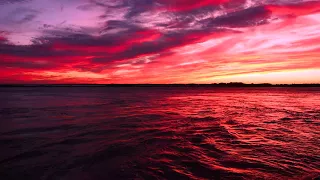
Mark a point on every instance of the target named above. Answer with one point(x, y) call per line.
point(159, 41)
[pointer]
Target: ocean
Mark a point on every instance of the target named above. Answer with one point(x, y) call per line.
point(86, 133)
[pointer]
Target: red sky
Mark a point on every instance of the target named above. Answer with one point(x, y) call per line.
point(159, 41)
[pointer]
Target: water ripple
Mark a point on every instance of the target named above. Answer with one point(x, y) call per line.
point(123, 133)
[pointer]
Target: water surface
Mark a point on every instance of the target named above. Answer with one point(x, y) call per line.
point(159, 133)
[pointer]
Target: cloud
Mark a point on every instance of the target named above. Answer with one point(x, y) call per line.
point(155, 40)
point(295, 9)
point(28, 64)
point(3, 2)
point(186, 5)
point(248, 17)
point(20, 15)
point(3, 39)
point(86, 7)
point(35, 51)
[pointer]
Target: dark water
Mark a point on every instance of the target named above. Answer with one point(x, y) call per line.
point(159, 133)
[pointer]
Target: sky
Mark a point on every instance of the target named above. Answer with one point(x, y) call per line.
point(159, 41)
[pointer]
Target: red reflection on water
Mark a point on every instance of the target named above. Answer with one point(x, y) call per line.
point(175, 133)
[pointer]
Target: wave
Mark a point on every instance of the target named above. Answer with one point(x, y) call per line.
point(176, 134)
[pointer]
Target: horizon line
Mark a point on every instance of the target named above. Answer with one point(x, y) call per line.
point(230, 84)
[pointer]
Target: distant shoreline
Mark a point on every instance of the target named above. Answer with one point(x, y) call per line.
point(163, 85)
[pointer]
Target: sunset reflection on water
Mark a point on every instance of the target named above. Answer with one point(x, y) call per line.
point(159, 133)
